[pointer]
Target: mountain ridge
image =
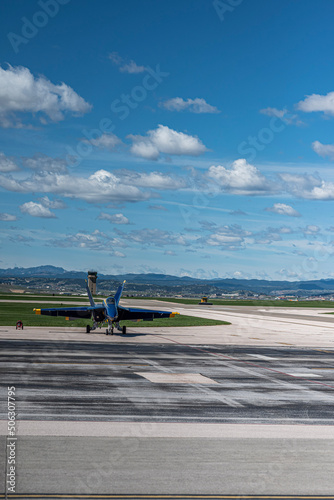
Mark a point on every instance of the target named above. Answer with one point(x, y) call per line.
point(223, 284)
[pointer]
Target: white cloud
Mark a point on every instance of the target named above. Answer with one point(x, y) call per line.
point(21, 92)
point(7, 217)
point(126, 67)
point(7, 164)
point(317, 102)
point(165, 140)
point(100, 187)
point(241, 178)
point(96, 240)
point(227, 237)
point(308, 186)
point(36, 210)
point(132, 67)
point(155, 237)
point(197, 105)
point(116, 253)
point(105, 141)
point(283, 209)
point(43, 163)
point(311, 230)
point(152, 180)
point(115, 58)
point(114, 218)
point(285, 115)
point(55, 204)
point(323, 149)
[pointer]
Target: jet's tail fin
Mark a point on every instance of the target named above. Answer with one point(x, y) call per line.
point(119, 292)
point(90, 296)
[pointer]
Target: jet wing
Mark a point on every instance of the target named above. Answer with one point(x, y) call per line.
point(145, 314)
point(72, 312)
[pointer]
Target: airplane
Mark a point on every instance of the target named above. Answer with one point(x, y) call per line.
point(109, 310)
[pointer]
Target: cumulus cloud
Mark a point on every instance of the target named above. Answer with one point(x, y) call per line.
point(55, 204)
point(105, 141)
point(7, 164)
point(96, 240)
point(152, 180)
point(100, 187)
point(226, 237)
point(44, 163)
point(132, 67)
point(241, 178)
point(197, 105)
point(271, 234)
point(323, 149)
point(317, 102)
point(285, 115)
point(311, 230)
point(283, 209)
point(165, 140)
point(155, 237)
point(301, 185)
point(126, 67)
point(114, 218)
point(36, 210)
point(308, 187)
point(21, 92)
point(7, 217)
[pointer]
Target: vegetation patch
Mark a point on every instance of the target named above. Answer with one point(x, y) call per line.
point(12, 312)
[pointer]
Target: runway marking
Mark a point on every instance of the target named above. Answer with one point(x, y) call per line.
point(260, 356)
point(70, 363)
point(231, 358)
point(176, 378)
point(200, 387)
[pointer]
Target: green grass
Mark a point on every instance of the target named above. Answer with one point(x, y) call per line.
point(11, 312)
point(267, 303)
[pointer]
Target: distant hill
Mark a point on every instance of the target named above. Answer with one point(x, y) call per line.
point(164, 280)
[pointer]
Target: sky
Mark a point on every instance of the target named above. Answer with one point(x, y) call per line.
point(189, 137)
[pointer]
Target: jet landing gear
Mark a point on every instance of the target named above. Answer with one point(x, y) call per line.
point(121, 328)
point(110, 329)
point(91, 328)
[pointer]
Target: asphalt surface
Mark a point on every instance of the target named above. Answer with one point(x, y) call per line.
point(170, 412)
point(93, 381)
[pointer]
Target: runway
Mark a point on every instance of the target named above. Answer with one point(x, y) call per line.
point(224, 410)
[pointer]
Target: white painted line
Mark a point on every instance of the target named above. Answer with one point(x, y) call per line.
point(170, 430)
point(260, 356)
point(306, 375)
point(176, 378)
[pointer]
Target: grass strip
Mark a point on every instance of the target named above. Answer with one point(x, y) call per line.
point(11, 312)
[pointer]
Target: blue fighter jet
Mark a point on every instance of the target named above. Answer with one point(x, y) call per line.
point(109, 310)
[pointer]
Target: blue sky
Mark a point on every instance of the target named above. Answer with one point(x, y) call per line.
point(186, 137)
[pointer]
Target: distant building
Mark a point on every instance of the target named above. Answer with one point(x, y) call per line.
point(92, 276)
